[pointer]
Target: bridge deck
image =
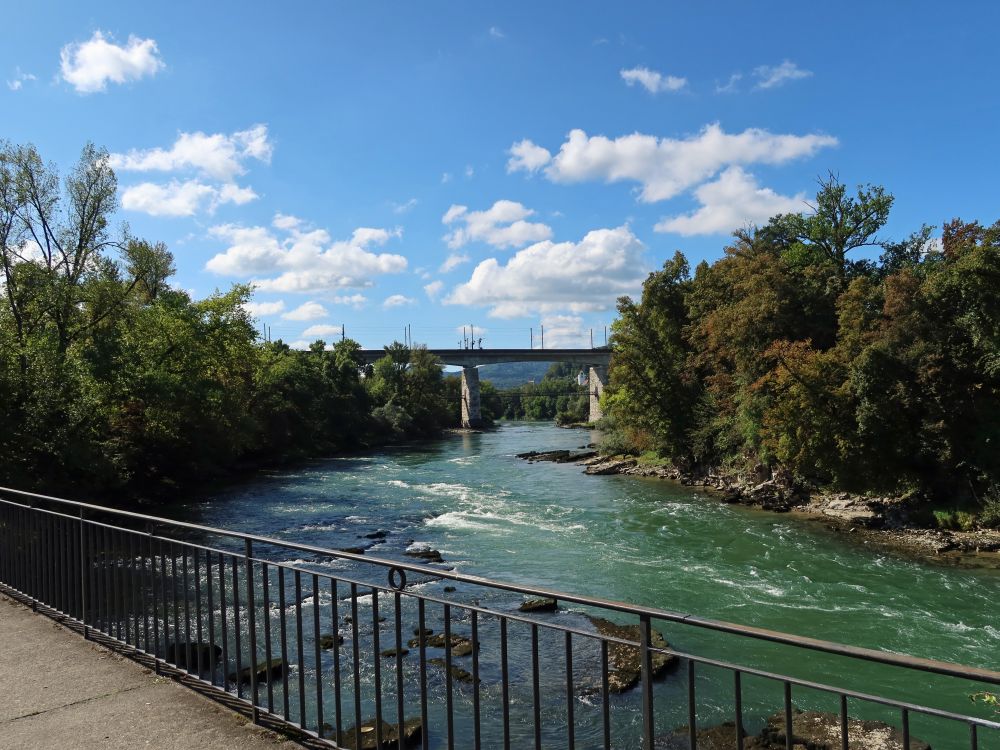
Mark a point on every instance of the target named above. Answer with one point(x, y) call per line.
point(476, 357)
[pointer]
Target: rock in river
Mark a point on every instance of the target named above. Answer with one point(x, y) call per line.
point(390, 738)
point(538, 605)
point(206, 652)
point(457, 673)
point(268, 670)
point(328, 640)
point(460, 646)
point(624, 662)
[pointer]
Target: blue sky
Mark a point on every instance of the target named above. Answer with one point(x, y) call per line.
point(503, 165)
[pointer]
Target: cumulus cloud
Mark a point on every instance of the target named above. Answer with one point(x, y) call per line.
point(434, 289)
point(284, 221)
point(772, 76)
point(527, 156)
point(215, 159)
point(89, 66)
point(306, 311)
point(218, 156)
point(397, 300)
point(665, 167)
point(730, 202)
point(257, 309)
point(453, 261)
point(182, 198)
point(357, 301)
point(502, 225)
point(652, 80)
point(20, 78)
point(565, 331)
point(303, 259)
point(550, 277)
point(322, 330)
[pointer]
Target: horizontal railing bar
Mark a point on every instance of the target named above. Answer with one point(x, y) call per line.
point(910, 662)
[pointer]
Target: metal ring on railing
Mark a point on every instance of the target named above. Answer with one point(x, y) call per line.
point(402, 578)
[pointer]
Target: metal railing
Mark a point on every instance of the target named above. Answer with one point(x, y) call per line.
point(318, 644)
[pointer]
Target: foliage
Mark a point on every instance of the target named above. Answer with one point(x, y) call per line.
point(112, 380)
point(556, 396)
point(848, 373)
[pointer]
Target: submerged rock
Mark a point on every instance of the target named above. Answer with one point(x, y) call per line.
point(208, 652)
point(539, 605)
point(457, 673)
point(460, 646)
point(722, 737)
point(328, 640)
point(390, 737)
point(269, 670)
point(393, 651)
point(426, 554)
point(818, 730)
point(624, 662)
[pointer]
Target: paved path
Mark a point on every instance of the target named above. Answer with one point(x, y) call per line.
point(58, 690)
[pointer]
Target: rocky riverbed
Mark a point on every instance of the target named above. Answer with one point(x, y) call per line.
point(882, 521)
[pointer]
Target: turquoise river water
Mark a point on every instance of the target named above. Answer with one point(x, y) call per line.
point(646, 542)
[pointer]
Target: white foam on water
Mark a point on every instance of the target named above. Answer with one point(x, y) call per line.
point(398, 483)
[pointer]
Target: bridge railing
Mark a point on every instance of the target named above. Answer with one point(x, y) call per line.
point(320, 641)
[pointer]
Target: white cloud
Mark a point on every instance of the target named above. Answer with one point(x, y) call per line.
point(502, 225)
point(402, 208)
point(731, 86)
point(550, 277)
point(17, 82)
point(565, 331)
point(322, 330)
point(445, 177)
point(306, 311)
point(233, 193)
point(215, 159)
point(357, 301)
point(304, 260)
point(182, 198)
point(527, 156)
point(469, 171)
point(453, 261)
point(772, 76)
point(397, 300)
point(665, 167)
point(258, 309)
point(497, 33)
point(218, 156)
point(652, 80)
point(90, 65)
point(434, 289)
point(284, 221)
point(730, 202)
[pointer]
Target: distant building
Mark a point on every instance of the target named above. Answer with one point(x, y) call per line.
point(581, 378)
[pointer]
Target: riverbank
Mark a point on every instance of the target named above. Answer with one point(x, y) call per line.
point(886, 522)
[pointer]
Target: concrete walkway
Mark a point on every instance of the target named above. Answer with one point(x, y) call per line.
point(59, 690)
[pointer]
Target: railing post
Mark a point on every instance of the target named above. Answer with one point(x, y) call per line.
point(645, 636)
point(83, 580)
point(252, 624)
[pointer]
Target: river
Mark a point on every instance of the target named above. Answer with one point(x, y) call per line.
point(647, 542)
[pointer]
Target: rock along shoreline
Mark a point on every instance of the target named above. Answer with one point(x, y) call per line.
point(882, 521)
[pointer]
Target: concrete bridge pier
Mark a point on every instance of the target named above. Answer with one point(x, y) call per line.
point(595, 383)
point(472, 415)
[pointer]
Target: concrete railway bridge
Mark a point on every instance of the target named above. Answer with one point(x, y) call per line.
point(469, 360)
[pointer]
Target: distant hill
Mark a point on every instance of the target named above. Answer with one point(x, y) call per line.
point(513, 374)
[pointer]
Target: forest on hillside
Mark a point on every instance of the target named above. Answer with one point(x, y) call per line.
point(796, 354)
